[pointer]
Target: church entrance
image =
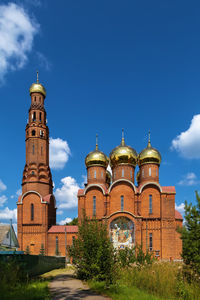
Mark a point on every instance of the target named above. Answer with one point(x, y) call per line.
point(122, 233)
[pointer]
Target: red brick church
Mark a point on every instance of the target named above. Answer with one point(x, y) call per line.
point(142, 213)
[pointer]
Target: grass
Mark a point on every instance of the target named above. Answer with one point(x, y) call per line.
point(33, 290)
point(121, 292)
point(157, 281)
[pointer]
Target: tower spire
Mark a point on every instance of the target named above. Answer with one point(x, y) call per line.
point(97, 142)
point(149, 140)
point(123, 141)
point(37, 77)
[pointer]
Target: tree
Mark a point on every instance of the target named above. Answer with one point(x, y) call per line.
point(73, 222)
point(92, 251)
point(42, 250)
point(190, 235)
point(27, 251)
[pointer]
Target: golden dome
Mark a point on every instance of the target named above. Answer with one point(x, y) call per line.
point(123, 155)
point(149, 155)
point(37, 88)
point(96, 158)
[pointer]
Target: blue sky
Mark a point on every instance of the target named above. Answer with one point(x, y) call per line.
point(106, 65)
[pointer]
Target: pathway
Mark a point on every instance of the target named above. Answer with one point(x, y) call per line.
point(66, 286)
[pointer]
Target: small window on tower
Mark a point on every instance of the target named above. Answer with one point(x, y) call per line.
point(40, 99)
point(34, 98)
point(32, 211)
point(122, 203)
point(102, 174)
point(94, 205)
point(34, 116)
point(40, 116)
point(143, 173)
point(33, 132)
point(156, 172)
point(122, 172)
point(33, 149)
point(95, 174)
point(131, 174)
point(41, 133)
point(150, 204)
point(149, 171)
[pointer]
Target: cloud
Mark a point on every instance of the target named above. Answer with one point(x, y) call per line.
point(17, 194)
point(66, 196)
point(188, 142)
point(66, 220)
point(59, 153)
point(189, 179)
point(17, 32)
point(43, 61)
point(6, 214)
point(180, 208)
point(3, 199)
point(3, 187)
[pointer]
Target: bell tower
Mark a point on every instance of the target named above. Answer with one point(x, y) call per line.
point(37, 174)
point(36, 209)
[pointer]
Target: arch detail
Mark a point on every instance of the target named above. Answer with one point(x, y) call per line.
point(148, 183)
point(122, 180)
point(119, 212)
point(94, 185)
point(31, 192)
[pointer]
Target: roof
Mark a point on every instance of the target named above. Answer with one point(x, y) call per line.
point(61, 229)
point(178, 215)
point(168, 189)
point(3, 230)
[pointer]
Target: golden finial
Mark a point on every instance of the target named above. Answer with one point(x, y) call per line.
point(149, 140)
point(96, 141)
point(123, 141)
point(37, 77)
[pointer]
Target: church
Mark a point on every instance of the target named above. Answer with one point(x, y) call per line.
point(136, 212)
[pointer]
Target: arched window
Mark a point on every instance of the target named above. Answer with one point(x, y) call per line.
point(34, 116)
point(131, 174)
point(34, 98)
point(94, 205)
point(32, 211)
point(122, 203)
point(33, 149)
point(150, 204)
point(102, 174)
point(150, 241)
point(57, 247)
point(33, 132)
point(40, 116)
point(95, 174)
point(122, 172)
point(149, 171)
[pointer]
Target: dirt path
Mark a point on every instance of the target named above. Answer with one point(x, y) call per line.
point(66, 286)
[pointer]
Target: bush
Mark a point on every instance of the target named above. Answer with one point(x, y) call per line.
point(92, 251)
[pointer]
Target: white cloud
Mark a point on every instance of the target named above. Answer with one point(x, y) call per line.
point(6, 214)
point(188, 142)
point(66, 220)
point(66, 196)
point(17, 194)
point(180, 208)
point(59, 212)
point(17, 31)
point(189, 179)
point(43, 61)
point(59, 153)
point(3, 199)
point(3, 187)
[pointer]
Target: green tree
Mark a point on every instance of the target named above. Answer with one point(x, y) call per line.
point(92, 251)
point(73, 222)
point(27, 251)
point(42, 250)
point(190, 235)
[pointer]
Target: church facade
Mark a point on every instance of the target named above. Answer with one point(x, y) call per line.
point(136, 213)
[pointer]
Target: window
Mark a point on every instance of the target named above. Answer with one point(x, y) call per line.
point(33, 132)
point(32, 211)
point(143, 173)
point(150, 204)
point(57, 247)
point(41, 133)
point(102, 174)
point(33, 150)
point(34, 98)
point(114, 174)
point(122, 203)
point(94, 205)
point(131, 174)
point(122, 172)
point(34, 116)
point(150, 242)
point(149, 171)
point(40, 116)
point(95, 174)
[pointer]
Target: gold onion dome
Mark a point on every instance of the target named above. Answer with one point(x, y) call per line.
point(37, 88)
point(96, 158)
point(123, 154)
point(149, 155)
